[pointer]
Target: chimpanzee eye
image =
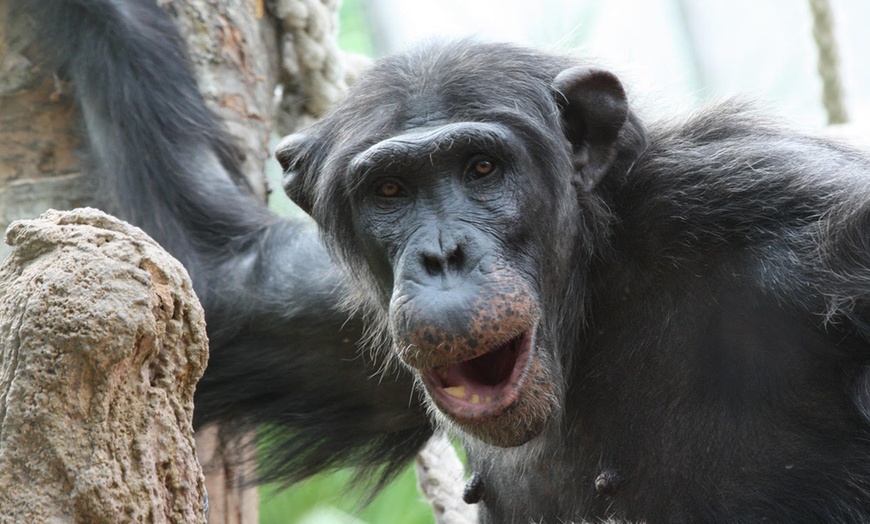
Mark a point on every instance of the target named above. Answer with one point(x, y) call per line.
point(480, 167)
point(389, 188)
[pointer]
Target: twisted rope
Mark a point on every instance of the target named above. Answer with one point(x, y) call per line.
point(440, 476)
point(828, 63)
point(311, 56)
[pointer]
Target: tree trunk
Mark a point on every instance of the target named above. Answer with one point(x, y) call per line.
point(233, 46)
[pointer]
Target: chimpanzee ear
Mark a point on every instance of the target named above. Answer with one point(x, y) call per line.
point(594, 109)
point(294, 154)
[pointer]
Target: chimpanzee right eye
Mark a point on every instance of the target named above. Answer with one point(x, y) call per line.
point(390, 188)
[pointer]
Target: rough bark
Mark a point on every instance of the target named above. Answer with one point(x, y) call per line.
point(102, 341)
point(39, 136)
point(233, 48)
point(229, 466)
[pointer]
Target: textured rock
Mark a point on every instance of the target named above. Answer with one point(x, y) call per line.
point(102, 342)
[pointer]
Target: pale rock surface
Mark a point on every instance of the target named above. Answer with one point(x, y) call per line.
point(102, 341)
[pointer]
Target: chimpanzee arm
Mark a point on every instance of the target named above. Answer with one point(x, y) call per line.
point(282, 352)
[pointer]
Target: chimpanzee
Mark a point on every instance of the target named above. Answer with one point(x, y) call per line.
point(660, 323)
point(624, 321)
point(284, 356)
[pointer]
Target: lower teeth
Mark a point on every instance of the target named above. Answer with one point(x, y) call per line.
point(456, 391)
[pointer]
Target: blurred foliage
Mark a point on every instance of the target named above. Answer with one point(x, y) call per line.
point(328, 499)
point(354, 33)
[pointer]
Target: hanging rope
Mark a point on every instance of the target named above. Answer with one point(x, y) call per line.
point(440, 476)
point(828, 65)
point(310, 54)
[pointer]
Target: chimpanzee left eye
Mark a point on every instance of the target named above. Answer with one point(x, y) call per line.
point(480, 167)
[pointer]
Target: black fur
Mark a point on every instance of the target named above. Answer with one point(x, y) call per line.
point(710, 324)
point(283, 357)
point(713, 333)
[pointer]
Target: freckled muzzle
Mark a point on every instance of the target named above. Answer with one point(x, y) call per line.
point(479, 359)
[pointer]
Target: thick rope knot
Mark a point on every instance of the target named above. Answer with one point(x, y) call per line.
point(311, 57)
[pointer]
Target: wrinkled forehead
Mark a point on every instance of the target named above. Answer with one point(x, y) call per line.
point(418, 102)
point(428, 141)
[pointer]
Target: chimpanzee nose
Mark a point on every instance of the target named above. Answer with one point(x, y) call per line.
point(443, 262)
point(446, 254)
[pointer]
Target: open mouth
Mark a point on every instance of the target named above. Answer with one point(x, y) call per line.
point(484, 386)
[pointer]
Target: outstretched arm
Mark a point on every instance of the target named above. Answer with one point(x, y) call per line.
point(283, 354)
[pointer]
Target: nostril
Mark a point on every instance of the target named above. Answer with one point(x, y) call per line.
point(441, 264)
point(455, 260)
point(433, 265)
